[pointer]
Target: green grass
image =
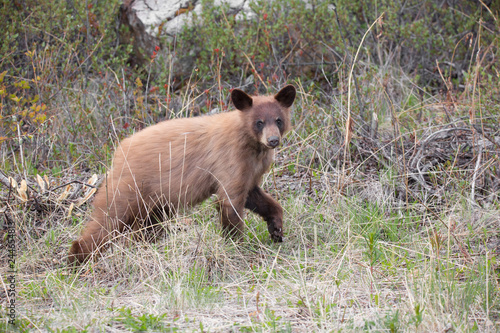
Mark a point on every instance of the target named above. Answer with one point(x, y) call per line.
point(346, 264)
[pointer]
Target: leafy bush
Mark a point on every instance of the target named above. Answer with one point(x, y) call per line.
point(50, 49)
point(299, 39)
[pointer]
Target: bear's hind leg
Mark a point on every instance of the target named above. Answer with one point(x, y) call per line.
point(231, 213)
point(92, 239)
point(101, 227)
point(152, 228)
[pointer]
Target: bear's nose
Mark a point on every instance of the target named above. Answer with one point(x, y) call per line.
point(273, 141)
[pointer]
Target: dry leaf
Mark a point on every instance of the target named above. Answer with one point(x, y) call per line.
point(41, 182)
point(254, 314)
point(349, 130)
point(92, 180)
point(86, 197)
point(13, 182)
point(70, 209)
point(65, 194)
point(22, 190)
point(46, 181)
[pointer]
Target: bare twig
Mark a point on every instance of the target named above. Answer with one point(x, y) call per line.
point(5, 180)
point(474, 177)
point(352, 62)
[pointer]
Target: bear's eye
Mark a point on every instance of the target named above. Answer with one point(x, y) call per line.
point(259, 124)
point(279, 122)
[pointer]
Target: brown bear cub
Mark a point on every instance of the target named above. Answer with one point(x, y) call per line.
point(180, 163)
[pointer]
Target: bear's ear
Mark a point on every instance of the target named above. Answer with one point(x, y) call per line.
point(286, 96)
point(241, 100)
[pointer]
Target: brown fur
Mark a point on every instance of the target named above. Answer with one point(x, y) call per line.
point(180, 163)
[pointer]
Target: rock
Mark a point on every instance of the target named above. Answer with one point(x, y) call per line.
point(150, 19)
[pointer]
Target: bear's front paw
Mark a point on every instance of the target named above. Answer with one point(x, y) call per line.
point(277, 235)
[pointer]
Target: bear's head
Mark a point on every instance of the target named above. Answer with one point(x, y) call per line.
point(267, 116)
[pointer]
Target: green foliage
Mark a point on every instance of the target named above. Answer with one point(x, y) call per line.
point(66, 35)
point(372, 252)
point(306, 41)
point(141, 323)
point(418, 317)
point(258, 46)
point(48, 47)
point(392, 321)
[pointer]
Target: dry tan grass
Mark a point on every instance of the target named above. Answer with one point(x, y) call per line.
point(319, 279)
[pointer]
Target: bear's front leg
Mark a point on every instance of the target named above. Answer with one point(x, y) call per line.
point(263, 204)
